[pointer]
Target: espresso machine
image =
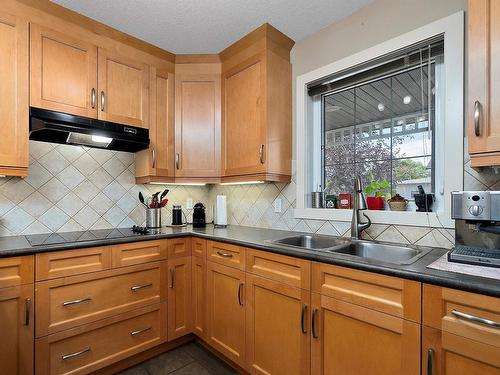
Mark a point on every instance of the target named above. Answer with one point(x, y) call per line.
point(477, 227)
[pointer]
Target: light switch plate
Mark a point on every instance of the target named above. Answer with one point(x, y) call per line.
point(189, 203)
point(277, 205)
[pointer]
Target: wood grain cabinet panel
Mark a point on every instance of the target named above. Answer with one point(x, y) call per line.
point(198, 296)
point(387, 294)
point(16, 271)
point(87, 348)
point(277, 328)
point(14, 76)
point(179, 247)
point(226, 306)
point(139, 252)
point(72, 262)
point(124, 89)
point(63, 72)
point(16, 327)
point(484, 82)
point(71, 301)
point(292, 271)
point(179, 297)
point(199, 247)
point(351, 339)
point(226, 254)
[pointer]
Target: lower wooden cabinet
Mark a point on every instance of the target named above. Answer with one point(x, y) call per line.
point(226, 311)
point(198, 295)
point(16, 330)
point(179, 297)
point(444, 353)
point(351, 339)
point(277, 325)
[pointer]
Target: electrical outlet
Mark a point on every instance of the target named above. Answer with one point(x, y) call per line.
point(277, 205)
point(189, 204)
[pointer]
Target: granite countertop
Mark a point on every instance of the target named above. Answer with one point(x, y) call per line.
point(258, 238)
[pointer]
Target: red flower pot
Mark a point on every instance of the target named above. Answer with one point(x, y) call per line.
point(375, 203)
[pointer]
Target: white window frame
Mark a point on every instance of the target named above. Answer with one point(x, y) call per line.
point(449, 138)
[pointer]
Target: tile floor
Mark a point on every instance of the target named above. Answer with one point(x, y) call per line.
point(189, 359)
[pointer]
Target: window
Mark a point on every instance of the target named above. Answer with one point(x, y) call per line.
point(393, 112)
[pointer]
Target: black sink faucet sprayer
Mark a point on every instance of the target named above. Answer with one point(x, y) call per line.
point(359, 204)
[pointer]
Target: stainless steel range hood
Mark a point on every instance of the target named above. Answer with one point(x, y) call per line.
point(57, 127)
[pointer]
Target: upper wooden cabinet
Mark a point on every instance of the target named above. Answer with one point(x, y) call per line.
point(197, 121)
point(13, 95)
point(123, 89)
point(157, 162)
point(483, 108)
point(63, 72)
point(256, 107)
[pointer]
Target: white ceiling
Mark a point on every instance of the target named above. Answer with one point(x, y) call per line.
point(209, 26)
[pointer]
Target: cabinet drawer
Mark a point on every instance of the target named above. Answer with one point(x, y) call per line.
point(16, 271)
point(391, 295)
point(139, 252)
point(93, 346)
point(469, 315)
point(72, 262)
point(67, 302)
point(199, 247)
point(293, 271)
point(227, 254)
point(179, 247)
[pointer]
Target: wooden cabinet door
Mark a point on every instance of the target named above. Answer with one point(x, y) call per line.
point(158, 160)
point(197, 125)
point(63, 72)
point(123, 89)
point(179, 297)
point(13, 95)
point(484, 81)
point(226, 311)
point(444, 353)
point(277, 339)
point(350, 339)
point(244, 118)
point(198, 295)
point(16, 326)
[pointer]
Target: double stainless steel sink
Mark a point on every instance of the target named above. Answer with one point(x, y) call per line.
point(356, 248)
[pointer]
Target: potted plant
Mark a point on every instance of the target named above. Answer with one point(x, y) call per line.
point(377, 191)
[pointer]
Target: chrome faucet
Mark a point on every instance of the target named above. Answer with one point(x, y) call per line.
point(359, 204)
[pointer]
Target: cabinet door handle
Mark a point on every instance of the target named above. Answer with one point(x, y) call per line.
point(103, 101)
point(135, 333)
point(475, 319)
point(477, 118)
point(313, 324)
point(177, 161)
point(240, 288)
point(430, 361)
point(172, 278)
point(27, 304)
point(261, 153)
point(76, 301)
point(224, 255)
point(93, 98)
point(303, 319)
point(133, 288)
point(153, 158)
point(75, 354)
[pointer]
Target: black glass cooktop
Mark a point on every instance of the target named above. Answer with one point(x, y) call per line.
point(82, 236)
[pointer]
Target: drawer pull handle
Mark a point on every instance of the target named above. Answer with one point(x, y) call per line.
point(313, 324)
point(76, 301)
point(430, 361)
point(172, 278)
point(303, 319)
point(135, 333)
point(27, 315)
point(76, 354)
point(240, 288)
point(476, 319)
point(138, 287)
point(477, 118)
point(224, 255)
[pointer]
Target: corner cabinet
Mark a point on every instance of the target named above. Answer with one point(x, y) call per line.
point(257, 108)
point(483, 108)
point(13, 95)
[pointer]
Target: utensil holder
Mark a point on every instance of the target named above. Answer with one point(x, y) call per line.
point(153, 217)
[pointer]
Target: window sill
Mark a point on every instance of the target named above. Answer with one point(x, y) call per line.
point(420, 219)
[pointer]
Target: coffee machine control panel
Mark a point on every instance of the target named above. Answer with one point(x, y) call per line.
point(475, 205)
